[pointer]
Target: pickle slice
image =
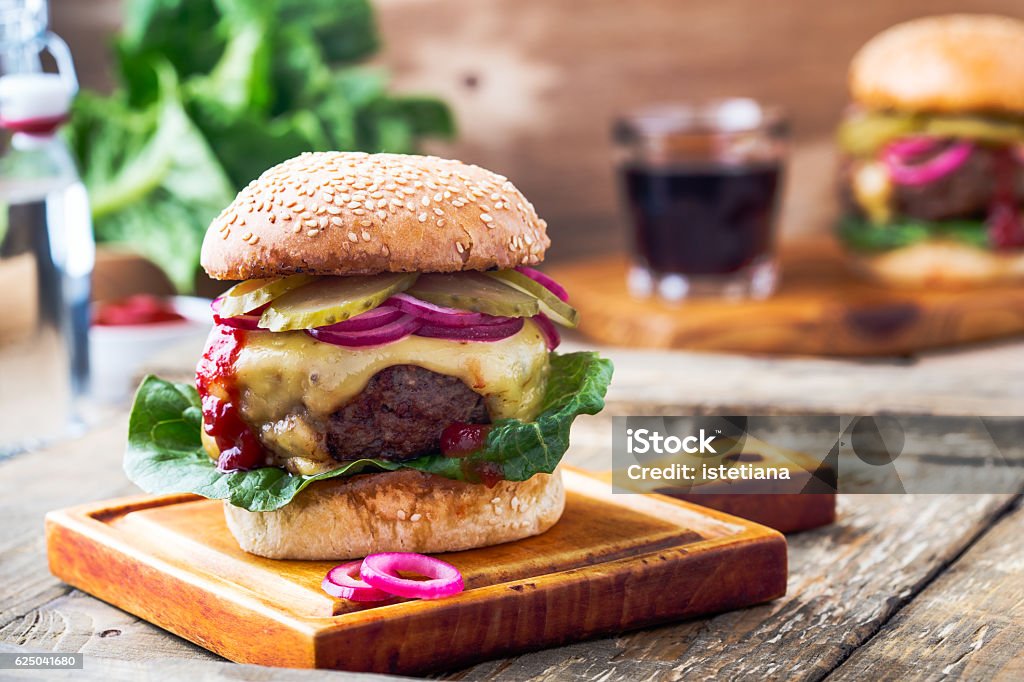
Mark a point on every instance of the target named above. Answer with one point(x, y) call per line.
point(864, 134)
point(253, 293)
point(333, 299)
point(474, 291)
point(552, 306)
point(975, 128)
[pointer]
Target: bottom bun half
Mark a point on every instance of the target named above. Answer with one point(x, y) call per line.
point(941, 264)
point(401, 511)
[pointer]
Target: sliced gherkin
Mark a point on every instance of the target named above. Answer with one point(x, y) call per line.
point(474, 291)
point(333, 299)
point(864, 134)
point(552, 306)
point(975, 128)
point(253, 293)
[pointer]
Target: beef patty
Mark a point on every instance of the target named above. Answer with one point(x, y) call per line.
point(401, 414)
point(966, 192)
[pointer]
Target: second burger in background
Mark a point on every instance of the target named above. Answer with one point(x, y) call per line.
point(933, 172)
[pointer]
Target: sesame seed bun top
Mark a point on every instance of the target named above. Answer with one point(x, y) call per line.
point(943, 64)
point(351, 213)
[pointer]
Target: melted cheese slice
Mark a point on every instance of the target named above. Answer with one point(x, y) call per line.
point(280, 372)
point(872, 188)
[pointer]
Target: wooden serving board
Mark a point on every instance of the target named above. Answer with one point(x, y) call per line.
point(820, 308)
point(612, 563)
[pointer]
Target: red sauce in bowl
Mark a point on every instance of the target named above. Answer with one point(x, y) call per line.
point(136, 310)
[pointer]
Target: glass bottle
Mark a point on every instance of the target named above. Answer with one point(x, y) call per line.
point(46, 244)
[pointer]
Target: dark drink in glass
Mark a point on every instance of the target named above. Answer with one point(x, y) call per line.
point(701, 185)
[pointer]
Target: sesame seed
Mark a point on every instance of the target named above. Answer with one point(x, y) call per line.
point(366, 236)
point(247, 236)
point(353, 204)
point(297, 229)
point(309, 222)
point(486, 217)
point(225, 234)
point(255, 240)
point(384, 250)
point(313, 233)
point(459, 247)
point(441, 222)
point(382, 214)
point(423, 217)
point(337, 222)
point(366, 223)
point(415, 517)
point(496, 500)
point(322, 222)
point(359, 211)
point(425, 200)
point(353, 237)
point(438, 211)
point(334, 210)
point(401, 514)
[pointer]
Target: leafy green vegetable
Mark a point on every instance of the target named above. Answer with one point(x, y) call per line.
point(863, 235)
point(213, 92)
point(165, 453)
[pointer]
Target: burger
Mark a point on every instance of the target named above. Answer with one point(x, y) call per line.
point(933, 170)
point(381, 377)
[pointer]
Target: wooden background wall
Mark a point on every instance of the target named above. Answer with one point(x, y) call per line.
point(536, 83)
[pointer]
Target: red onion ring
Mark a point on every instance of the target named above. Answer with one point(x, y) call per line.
point(943, 163)
point(341, 582)
point(381, 571)
point(440, 315)
point(371, 319)
point(548, 331)
point(483, 332)
point(909, 147)
point(545, 281)
point(378, 336)
point(249, 322)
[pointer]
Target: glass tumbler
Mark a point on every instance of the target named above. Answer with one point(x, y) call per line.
point(701, 182)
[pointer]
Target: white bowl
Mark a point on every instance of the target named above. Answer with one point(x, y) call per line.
point(118, 354)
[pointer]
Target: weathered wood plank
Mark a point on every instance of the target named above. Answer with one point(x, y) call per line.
point(846, 581)
point(969, 623)
point(37, 610)
point(985, 380)
point(159, 669)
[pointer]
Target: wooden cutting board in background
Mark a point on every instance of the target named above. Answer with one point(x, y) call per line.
point(820, 308)
point(612, 563)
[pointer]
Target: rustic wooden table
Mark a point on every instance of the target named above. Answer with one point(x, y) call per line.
point(902, 585)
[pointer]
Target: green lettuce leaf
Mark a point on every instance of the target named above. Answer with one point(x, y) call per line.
point(863, 235)
point(165, 453)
